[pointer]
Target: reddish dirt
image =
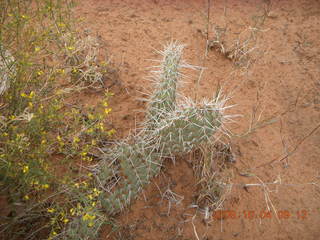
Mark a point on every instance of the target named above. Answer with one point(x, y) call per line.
point(285, 77)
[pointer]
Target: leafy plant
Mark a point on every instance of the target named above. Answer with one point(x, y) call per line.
point(45, 141)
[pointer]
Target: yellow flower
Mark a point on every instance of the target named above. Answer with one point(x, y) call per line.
point(36, 49)
point(83, 154)
point(100, 126)
point(89, 174)
point(88, 217)
point(26, 197)
point(107, 111)
point(61, 143)
point(90, 196)
point(76, 140)
point(45, 186)
point(105, 104)
point(32, 94)
point(72, 211)
point(90, 116)
point(70, 48)
point(51, 210)
point(25, 169)
point(62, 25)
point(39, 73)
point(30, 104)
point(90, 224)
point(23, 95)
point(111, 132)
point(90, 130)
point(60, 71)
point(34, 182)
point(65, 220)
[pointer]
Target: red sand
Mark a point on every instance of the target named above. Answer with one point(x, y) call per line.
point(286, 76)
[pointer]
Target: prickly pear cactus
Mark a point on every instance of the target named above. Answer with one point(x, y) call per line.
point(170, 129)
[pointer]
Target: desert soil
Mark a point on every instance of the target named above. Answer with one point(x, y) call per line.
point(278, 93)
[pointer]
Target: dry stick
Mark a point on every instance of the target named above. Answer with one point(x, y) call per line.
point(194, 228)
point(291, 152)
point(198, 85)
point(206, 51)
point(283, 143)
point(208, 23)
point(267, 197)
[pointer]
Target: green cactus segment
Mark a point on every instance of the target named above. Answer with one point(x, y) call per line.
point(164, 98)
point(183, 130)
point(136, 164)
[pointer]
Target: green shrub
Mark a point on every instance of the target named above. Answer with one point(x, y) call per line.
point(44, 141)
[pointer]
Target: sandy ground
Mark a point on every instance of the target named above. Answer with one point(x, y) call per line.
point(281, 87)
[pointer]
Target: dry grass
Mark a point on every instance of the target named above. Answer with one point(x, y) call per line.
point(240, 50)
point(211, 163)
